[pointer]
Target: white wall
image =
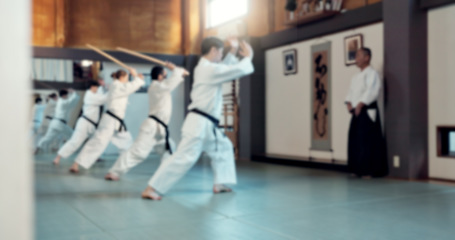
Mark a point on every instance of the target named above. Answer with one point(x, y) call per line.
point(16, 165)
point(137, 110)
point(441, 87)
point(288, 110)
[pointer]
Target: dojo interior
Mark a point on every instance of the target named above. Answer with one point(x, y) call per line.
point(290, 185)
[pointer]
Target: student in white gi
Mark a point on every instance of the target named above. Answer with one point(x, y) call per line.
point(154, 133)
point(38, 114)
point(200, 131)
point(87, 123)
point(49, 112)
point(111, 125)
point(58, 128)
point(366, 144)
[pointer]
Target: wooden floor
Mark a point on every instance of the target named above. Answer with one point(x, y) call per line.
point(270, 202)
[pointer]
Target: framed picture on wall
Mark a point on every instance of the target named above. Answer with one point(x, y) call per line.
point(351, 45)
point(290, 62)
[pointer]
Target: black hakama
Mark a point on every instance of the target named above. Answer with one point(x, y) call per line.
point(366, 148)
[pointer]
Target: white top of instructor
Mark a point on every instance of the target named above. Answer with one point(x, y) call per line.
point(160, 98)
point(365, 86)
point(209, 74)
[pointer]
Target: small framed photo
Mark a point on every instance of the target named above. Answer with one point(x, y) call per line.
point(290, 62)
point(351, 45)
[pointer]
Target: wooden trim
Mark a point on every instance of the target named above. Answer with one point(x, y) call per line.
point(439, 148)
point(271, 16)
point(351, 19)
point(442, 180)
point(55, 86)
point(428, 4)
point(185, 20)
point(438, 141)
point(80, 54)
point(60, 23)
point(311, 18)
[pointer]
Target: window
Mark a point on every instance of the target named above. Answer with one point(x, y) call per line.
point(452, 143)
point(223, 11)
point(446, 141)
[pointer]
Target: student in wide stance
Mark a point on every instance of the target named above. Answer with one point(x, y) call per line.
point(58, 127)
point(112, 126)
point(154, 131)
point(49, 112)
point(87, 123)
point(200, 131)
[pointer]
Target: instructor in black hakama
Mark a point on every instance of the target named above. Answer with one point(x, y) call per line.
point(366, 147)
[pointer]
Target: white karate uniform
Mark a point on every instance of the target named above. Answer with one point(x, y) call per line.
point(365, 87)
point(38, 115)
point(84, 128)
point(109, 126)
point(58, 129)
point(198, 133)
point(152, 135)
point(49, 111)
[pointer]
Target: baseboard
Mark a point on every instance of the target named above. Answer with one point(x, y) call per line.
point(331, 165)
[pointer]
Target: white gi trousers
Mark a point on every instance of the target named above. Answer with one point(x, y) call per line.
point(151, 138)
point(198, 135)
point(83, 130)
point(57, 131)
point(108, 130)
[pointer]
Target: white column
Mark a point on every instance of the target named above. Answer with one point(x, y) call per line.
point(16, 165)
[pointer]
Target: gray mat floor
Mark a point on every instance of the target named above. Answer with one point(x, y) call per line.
point(270, 202)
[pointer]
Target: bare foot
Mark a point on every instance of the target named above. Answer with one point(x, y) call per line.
point(57, 160)
point(111, 177)
point(36, 151)
point(220, 188)
point(150, 194)
point(75, 168)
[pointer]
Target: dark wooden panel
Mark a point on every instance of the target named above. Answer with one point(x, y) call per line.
point(406, 87)
point(434, 3)
point(51, 85)
point(191, 62)
point(79, 54)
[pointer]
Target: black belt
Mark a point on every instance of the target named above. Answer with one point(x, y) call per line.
point(49, 117)
point(168, 145)
point(374, 105)
point(215, 122)
point(90, 120)
point(122, 124)
point(61, 120)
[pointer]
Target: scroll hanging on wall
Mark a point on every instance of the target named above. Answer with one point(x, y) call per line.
point(321, 132)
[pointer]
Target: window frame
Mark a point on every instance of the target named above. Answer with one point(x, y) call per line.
point(207, 17)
